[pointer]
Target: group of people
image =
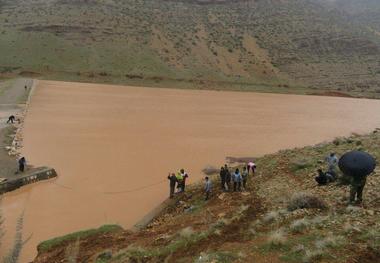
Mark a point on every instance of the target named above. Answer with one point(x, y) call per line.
point(177, 180)
point(228, 180)
point(356, 183)
point(237, 178)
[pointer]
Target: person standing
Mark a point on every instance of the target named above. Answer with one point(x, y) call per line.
point(179, 177)
point(208, 187)
point(228, 177)
point(356, 189)
point(244, 176)
point(222, 174)
point(172, 182)
point(21, 164)
point(184, 177)
point(251, 166)
point(237, 180)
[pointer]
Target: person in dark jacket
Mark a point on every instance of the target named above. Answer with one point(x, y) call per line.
point(21, 164)
point(11, 119)
point(173, 180)
point(228, 177)
point(184, 177)
point(356, 190)
point(222, 174)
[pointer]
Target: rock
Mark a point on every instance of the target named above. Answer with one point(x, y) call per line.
point(221, 196)
point(221, 215)
point(370, 212)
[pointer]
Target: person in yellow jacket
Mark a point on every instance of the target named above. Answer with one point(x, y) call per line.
point(179, 176)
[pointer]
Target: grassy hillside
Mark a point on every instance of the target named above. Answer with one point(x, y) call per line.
point(264, 224)
point(225, 44)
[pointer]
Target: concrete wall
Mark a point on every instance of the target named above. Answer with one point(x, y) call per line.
point(39, 174)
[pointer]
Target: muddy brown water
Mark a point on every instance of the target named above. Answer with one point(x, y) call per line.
point(113, 146)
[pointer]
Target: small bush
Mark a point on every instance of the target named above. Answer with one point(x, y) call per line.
point(277, 238)
point(312, 256)
point(186, 232)
point(300, 225)
point(271, 217)
point(330, 242)
point(304, 200)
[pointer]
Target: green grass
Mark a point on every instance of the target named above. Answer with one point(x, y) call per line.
point(48, 244)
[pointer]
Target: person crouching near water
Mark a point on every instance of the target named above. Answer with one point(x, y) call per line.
point(208, 187)
point(237, 180)
point(173, 180)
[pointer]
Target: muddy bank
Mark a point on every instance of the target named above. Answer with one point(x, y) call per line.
point(113, 146)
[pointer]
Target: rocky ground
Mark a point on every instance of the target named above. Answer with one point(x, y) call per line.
point(13, 97)
point(261, 224)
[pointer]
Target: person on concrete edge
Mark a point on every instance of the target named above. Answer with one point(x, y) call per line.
point(21, 164)
point(208, 187)
point(172, 182)
point(237, 180)
point(244, 176)
point(222, 174)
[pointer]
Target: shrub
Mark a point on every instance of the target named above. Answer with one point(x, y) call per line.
point(330, 242)
point(298, 226)
point(277, 238)
point(304, 200)
point(270, 217)
point(186, 232)
point(312, 256)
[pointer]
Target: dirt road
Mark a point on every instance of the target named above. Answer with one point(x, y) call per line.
point(110, 143)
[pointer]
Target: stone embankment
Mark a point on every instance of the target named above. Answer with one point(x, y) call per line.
point(38, 174)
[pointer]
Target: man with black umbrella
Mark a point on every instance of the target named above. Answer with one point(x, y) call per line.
point(358, 165)
point(357, 187)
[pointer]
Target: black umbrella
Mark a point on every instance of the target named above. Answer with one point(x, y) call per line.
point(357, 164)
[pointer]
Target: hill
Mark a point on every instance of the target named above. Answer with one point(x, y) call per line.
point(282, 217)
point(266, 45)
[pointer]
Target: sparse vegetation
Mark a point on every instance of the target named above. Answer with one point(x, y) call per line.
point(254, 45)
point(305, 200)
point(46, 245)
